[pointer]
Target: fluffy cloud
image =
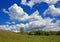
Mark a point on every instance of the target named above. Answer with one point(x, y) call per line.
point(12, 28)
point(35, 20)
point(53, 26)
point(51, 2)
point(10, 22)
point(4, 27)
point(33, 2)
point(53, 11)
point(35, 25)
point(23, 1)
point(4, 10)
point(35, 16)
point(16, 13)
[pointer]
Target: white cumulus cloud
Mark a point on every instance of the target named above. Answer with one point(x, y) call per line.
point(16, 13)
point(35, 16)
point(35, 20)
point(52, 10)
point(33, 26)
point(4, 10)
point(53, 26)
point(33, 2)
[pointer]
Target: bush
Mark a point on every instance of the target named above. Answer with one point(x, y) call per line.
point(58, 33)
point(40, 32)
point(32, 32)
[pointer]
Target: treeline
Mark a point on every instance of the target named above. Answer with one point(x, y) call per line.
point(40, 32)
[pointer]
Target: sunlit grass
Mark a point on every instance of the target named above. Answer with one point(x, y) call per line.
point(15, 37)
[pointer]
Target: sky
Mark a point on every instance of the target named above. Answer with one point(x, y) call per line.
point(30, 14)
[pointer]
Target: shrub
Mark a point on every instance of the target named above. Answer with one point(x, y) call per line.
point(40, 32)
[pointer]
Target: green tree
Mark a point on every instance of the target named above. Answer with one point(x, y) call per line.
point(22, 30)
point(58, 33)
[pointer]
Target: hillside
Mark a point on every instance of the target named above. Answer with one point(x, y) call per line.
point(15, 37)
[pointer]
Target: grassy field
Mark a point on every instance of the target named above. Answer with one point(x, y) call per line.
point(14, 37)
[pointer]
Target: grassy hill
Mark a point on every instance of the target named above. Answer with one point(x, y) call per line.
point(15, 37)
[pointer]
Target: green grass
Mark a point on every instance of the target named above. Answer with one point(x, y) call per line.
point(14, 37)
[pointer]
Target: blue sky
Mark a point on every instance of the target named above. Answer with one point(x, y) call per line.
point(29, 9)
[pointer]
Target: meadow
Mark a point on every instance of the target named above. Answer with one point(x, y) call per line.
point(16, 37)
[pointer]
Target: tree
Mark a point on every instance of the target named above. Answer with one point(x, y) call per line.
point(58, 33)
point(21, 30)
point(32, 32)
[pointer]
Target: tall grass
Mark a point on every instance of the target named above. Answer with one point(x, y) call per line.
point(15, 37)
